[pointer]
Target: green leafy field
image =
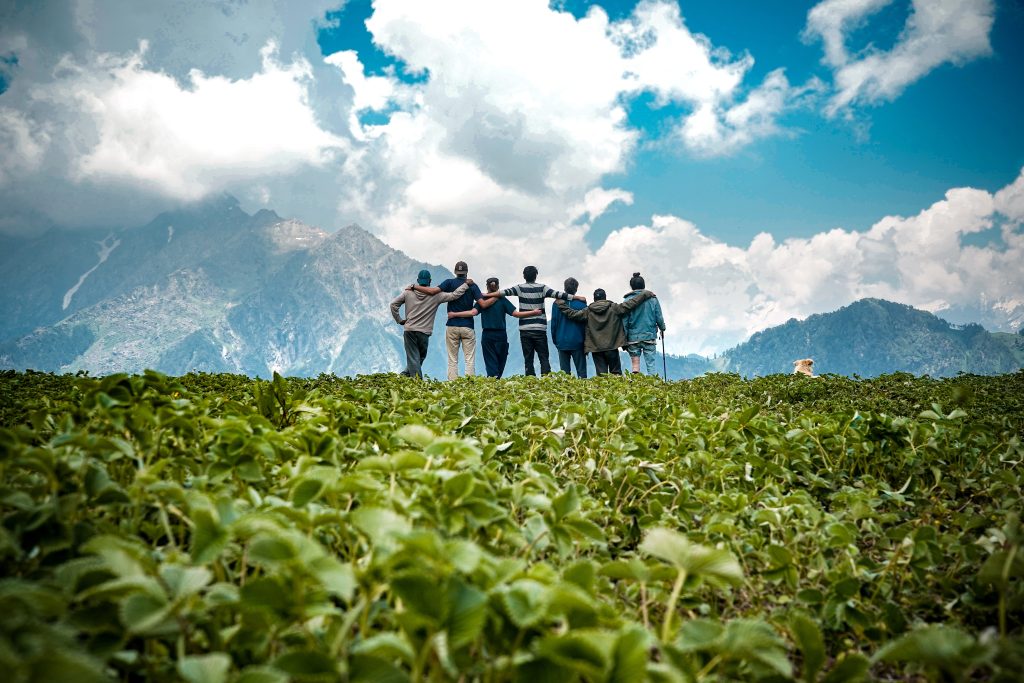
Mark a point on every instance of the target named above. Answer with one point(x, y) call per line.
point(214, 528)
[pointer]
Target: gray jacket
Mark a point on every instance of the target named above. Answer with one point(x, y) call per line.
point(420, 308)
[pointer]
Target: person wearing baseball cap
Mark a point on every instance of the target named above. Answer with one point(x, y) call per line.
point(459, 331)
point(419, 319)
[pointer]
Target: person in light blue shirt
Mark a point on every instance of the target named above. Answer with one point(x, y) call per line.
point(642, 326)
point(568, 335)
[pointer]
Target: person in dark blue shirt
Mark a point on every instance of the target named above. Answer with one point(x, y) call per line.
point(568, 335)
point(494, 340)
point(459, 330)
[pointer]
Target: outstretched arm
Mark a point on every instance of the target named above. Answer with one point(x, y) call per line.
point(463, 314)
point(426, 290)
point(572, 313)
point(527, 314)
point(628, 305)
point(452, 296)
point(486, 301)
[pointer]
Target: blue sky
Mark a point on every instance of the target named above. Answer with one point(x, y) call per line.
point(757, 161)
point(959, 126)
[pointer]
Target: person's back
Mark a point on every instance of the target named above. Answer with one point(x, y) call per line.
point(533, 330)
point(605, 333)
point(642, 326)
point(568, 335)
point(459, 330)
point(418, 323)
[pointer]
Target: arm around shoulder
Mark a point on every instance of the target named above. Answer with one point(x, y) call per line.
point(571, 313)
point(452, 296)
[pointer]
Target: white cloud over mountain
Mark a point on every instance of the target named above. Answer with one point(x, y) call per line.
point(718, 294)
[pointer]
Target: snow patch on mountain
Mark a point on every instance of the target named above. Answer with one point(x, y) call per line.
point(107, 246)
point(170, 233)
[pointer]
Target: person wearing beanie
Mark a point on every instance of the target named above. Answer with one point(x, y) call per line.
point(604, 333)
point(459, 331)
point(419, 319)
point(643, 325)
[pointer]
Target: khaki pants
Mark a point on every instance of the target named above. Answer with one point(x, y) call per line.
point(466, 337)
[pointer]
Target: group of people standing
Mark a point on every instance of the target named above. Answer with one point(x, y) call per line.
point(600, 328)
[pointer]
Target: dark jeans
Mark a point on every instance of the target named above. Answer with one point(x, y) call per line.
point(415, 351)
point(535, 342)
point(577, 357)
point(607, 362)
point(494, 344)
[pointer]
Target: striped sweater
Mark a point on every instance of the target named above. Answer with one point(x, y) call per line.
point(531, 298)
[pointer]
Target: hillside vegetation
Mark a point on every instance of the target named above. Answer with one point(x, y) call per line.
point(872, 337)
point(214, 528)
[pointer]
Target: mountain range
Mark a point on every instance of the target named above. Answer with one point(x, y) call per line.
point(213, 288)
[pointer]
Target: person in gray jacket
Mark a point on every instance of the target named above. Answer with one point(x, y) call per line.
point(419, 319)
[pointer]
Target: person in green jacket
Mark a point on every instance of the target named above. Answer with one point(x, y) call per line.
point(605, 334)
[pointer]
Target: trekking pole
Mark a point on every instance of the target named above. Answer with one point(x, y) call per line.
point(664, 363)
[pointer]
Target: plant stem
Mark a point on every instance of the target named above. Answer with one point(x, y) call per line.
point(670, 607)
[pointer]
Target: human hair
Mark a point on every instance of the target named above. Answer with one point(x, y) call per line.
point(637, 282)
point(599, 295)
point(530, 273)
point(492, 284)
point(571, 285)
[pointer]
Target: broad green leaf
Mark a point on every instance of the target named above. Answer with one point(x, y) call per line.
point(811, 643)
point(938, 645)
point(337, 577)
point(306, 664)
point(145, 614)
point(566, 502)
point(366, 669)
point(697, 560)
point(306, 490)
point(629, 662)
point(185, 581)
point(211, 668)
point(849, 668)
point(525, 602)
point(586, 651)
point(209, 538)
point(416, 434)
point(379, 523)
point(422, 593)
point(467, 612)
point(262, 674)
point(386, 646)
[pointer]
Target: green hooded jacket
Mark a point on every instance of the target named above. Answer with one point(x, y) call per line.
point(604, 321)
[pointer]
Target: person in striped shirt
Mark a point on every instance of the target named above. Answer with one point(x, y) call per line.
point(533, 331)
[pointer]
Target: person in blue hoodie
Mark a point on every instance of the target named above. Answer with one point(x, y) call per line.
point(642, 326)
point(568, 335)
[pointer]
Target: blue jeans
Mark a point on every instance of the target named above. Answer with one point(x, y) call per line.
point(577, 357)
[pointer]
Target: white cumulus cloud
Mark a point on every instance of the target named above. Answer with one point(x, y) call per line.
point(937, 32)
point(187, 140)
point(718, 294)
